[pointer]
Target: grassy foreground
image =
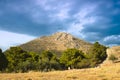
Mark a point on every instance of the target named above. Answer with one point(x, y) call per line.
point(103, 73)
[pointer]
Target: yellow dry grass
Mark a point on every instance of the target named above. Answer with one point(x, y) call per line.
point(104, 73)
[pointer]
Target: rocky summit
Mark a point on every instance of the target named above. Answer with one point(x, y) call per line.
point(115, 50)
point(57, 42)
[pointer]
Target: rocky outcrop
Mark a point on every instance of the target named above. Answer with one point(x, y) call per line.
point(115, 50)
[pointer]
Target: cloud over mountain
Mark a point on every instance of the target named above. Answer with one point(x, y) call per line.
point(88, 19)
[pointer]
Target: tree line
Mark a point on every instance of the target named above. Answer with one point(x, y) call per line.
point(16, 59)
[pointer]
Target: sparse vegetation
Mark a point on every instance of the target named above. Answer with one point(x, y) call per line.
point(57, 43)
point(113, 58)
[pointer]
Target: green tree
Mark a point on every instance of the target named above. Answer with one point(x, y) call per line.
point(49, 61)
point(3, 61)
point(97, 53)
point(19, 58)
point(85, 63)
point(71, 57)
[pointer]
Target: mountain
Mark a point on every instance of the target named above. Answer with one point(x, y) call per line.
point(57, 42)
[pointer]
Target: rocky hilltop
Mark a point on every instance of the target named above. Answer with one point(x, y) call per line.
point(115, 50)
point(58, 42)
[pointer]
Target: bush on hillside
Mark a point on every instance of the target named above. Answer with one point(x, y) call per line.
point(98, 53)
point(113, 58)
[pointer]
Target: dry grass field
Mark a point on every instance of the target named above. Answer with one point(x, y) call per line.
point(111, 72)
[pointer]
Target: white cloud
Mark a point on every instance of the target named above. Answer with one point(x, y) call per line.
point(12, 39)
point(43, 4)
point(75, 29)
point(50, 10)
point(112, 40)
point(62, 12)
point(57, 11)
point(82, 18)
point(61, 15)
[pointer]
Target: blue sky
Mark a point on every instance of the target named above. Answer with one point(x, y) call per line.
point(91, 20)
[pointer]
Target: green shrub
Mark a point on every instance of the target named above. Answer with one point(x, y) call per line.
point(113, 58)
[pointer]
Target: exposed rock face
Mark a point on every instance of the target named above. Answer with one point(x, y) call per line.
point(63, 36)
point(115, 50)
point(59, 41)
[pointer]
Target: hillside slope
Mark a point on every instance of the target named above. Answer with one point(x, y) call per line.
point(57, 42)
point(115, 50)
